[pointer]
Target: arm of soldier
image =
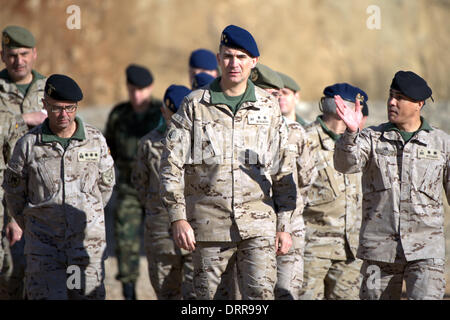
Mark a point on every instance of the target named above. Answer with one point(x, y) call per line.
point(176, 153)
point(15, 184)
point(109, 133)
point(447, 178)
point(13, 232)
point(306, 163)
point(140, 176)
point(106, 172)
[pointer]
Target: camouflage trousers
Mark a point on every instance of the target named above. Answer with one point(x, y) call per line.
point(289, 275)
point(49, 279)
point(214, 263)
point(424, 279)
point(12, 270)
point(330, 279)
point(128, 221)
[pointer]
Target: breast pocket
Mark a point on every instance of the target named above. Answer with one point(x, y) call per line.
point(379, 173)
point(208, 141)
point(325, 188)
point(44, 181)
point(427, 179)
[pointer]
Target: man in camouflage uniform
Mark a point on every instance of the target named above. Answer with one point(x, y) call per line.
point(289, 98)
point(127, 123)
point(10, 131)
point(21, 92)
point(170, 268)
point(405, 163)
point(290, 266)
point(332, 211)
point(59, 179)
point(226, 180)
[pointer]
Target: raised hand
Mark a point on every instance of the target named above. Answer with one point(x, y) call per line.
point(352, 118)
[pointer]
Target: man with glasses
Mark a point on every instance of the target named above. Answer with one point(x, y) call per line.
point(57, 183)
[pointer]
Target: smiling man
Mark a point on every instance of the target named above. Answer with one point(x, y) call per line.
point(229, 199)
point(405, 164)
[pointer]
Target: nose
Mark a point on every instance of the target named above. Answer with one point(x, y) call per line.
point(392, 101)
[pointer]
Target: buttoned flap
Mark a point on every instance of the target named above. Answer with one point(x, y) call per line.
point(208, 142)
point(89, 177)
point(381, 167)
point(427, 173)
point(324, 188)
point(43, 180)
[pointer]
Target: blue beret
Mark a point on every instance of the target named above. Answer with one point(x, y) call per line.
point(238, 38)
point(411, 85)
point(63, 88)
point(347, 92)
point(139, 76)
point(203, 59)
point(201, 79)
point(174, 96)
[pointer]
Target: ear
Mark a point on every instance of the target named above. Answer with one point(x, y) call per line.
point(297, 95)
point(420, 105)
point(255, 61)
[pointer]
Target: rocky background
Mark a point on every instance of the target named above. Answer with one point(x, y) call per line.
point(317, 42)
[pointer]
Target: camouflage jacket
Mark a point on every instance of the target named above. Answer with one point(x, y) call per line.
point(124, 129)
point(306, 173)
point(57, 196)
point(402, 187)
point(10, 132)
point(237, 184)
point(333, 210)
point(145, 178)
point(12, 100)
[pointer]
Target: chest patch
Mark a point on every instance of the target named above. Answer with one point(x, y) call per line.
point(258, 118)
point(426, 153)
point(88, 156)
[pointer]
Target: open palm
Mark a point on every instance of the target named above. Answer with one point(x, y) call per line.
point(352, 118)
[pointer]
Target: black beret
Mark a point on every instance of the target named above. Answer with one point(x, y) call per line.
point(63, 88)
point(139, 76)
point(236, 37)
point(411, 85)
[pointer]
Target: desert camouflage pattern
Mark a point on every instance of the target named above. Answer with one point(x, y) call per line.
point(330, 279)
point(57, 197)
point(10, 131)
point(424, 279)
point(290, 266)
point(170, 268)
point(332, 213)
point(12, 100)
point(256, 269)
point(225, 175)
point(403, 211)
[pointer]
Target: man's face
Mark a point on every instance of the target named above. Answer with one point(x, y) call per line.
point(287, 100)
point(235, 64)
point(139, 97)
point(195, 71)
point(61, 114)
point(19, 62)
point(402, 109)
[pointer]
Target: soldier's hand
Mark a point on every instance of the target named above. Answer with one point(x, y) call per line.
point(352, 118)
point(34, 118)
point(183, 235)
point(13, 232)
point(283, 243)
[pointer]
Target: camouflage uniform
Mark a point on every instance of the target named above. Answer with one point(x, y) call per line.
point(402, 232)
point(333, 218)
point(10, 132)
point(124, 129)
point(170, 268)
point(290, 266)
point(57, 197)
point(232, 183)
point(14, 101)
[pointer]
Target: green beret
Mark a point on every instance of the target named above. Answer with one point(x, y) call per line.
point(266, 78)
point(289, 83)
point(17, 37)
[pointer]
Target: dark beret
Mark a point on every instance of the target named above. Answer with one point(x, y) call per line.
point(411, 85)
point(266, 78)
point(63, 88)
point(174, 95)
point(17, 37)
point(139, 76)
point(203, 59)
point(201, 79)
point(238, 38)
point(347, 92)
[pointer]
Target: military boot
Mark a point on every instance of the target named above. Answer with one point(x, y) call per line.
point(128, 290)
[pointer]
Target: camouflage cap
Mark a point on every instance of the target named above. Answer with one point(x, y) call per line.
point(266, 78)
point(288, 82)
point(17, 37)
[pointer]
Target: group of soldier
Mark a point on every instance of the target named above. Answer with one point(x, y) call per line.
point(238, 196)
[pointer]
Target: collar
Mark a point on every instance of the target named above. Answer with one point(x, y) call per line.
point(49, 136)
point(332, 135)
point(218, 97)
